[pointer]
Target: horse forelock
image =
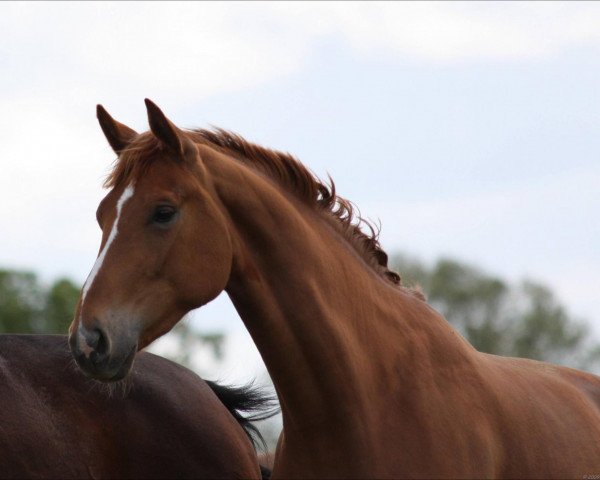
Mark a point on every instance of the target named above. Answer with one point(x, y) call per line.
point(288, 173)
point(134, 161)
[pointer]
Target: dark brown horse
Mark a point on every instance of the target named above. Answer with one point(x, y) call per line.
point(165, 422)
point(372, 381)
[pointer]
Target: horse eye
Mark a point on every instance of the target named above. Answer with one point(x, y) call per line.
point(164, 214)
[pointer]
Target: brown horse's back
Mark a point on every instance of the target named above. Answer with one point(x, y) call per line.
point(560, 406)
point(55, 423)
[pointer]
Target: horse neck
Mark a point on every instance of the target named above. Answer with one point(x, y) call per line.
point(332, 332)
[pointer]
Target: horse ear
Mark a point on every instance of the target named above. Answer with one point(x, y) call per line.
point(163, 129)
point(117, 134)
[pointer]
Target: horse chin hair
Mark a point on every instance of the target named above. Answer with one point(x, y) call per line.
point(120, 388)
point(115, 389)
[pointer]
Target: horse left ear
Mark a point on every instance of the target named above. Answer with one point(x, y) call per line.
point(117, 134)
point(163, 129)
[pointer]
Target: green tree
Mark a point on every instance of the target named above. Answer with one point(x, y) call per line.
point(26, 306)
point(522, 320)
point(545, 330)
point(61, 301)
point(21, 300)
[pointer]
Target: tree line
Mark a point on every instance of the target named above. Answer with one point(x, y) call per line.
point(523, 320)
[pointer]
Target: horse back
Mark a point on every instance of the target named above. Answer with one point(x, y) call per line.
point(164, 422)
point(547, 418)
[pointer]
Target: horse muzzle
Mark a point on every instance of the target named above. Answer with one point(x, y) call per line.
point(101, 356)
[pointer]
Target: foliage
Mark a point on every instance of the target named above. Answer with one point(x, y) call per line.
point(523, 320)
point(26, 306)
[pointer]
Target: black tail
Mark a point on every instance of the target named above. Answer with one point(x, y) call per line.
point(251, 400)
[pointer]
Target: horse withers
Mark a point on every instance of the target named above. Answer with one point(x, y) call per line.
point(163, 422)
point(372, 381)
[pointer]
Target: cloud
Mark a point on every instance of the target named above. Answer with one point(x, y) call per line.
point(446, 32)
point(181, 51)
point(52, 164)
point(524, 223)
point(166, 50)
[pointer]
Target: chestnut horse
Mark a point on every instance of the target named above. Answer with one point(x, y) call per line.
point(165, 422)
point(372, 381)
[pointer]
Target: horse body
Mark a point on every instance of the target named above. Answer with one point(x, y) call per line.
point(372, 381)
point(55, 423)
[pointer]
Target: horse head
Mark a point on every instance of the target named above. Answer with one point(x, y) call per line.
point(165, 246)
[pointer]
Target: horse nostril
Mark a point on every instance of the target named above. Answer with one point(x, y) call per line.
point(101, 343)
point(100, 348)
point(94, 344)
point(91, 337)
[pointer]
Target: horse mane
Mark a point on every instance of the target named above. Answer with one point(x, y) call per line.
point(290, 174)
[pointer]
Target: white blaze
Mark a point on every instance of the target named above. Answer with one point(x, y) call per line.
point(126, 195)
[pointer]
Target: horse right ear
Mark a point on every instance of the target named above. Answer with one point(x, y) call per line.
point(117, 134)
point(169, 135)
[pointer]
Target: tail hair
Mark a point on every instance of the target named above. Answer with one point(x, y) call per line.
point(248, 404)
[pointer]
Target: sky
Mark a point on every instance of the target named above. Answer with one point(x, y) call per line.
point(467, 130)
